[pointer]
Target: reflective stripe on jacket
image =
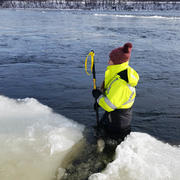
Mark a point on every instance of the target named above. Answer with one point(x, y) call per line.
point(120, 92)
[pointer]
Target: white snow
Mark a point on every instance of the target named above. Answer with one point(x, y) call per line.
point(142, 157)
point(34, 140)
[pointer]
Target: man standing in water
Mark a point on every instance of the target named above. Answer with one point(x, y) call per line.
point(117, 93)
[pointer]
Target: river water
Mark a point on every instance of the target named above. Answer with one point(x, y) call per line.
point(46, 97)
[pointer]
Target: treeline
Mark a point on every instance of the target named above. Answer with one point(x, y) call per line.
point(94, 1)
point(94, 4)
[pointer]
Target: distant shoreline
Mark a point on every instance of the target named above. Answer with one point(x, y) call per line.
point(115, 5)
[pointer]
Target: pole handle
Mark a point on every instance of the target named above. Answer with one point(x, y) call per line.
point(92, 62)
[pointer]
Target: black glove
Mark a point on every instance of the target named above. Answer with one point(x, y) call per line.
point(96, 93)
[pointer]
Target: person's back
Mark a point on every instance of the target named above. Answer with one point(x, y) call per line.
point(118, 93)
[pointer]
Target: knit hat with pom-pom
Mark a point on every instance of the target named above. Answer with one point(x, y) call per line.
point(121, 54)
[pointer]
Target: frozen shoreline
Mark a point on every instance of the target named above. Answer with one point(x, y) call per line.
point(98, 5)
point(139, 157)
point(35, 139)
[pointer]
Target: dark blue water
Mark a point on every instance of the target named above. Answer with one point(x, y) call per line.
point(42, 55)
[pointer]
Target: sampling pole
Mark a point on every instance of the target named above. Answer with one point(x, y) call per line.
point(93, 70)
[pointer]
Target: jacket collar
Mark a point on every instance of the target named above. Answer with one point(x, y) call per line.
point(112, 70)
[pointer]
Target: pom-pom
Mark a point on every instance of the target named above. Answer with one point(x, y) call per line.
point(126, 47)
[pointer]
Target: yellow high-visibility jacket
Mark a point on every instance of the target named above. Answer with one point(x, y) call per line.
point(119, 84)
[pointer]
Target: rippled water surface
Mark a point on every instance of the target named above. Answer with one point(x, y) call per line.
point(42, 55)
